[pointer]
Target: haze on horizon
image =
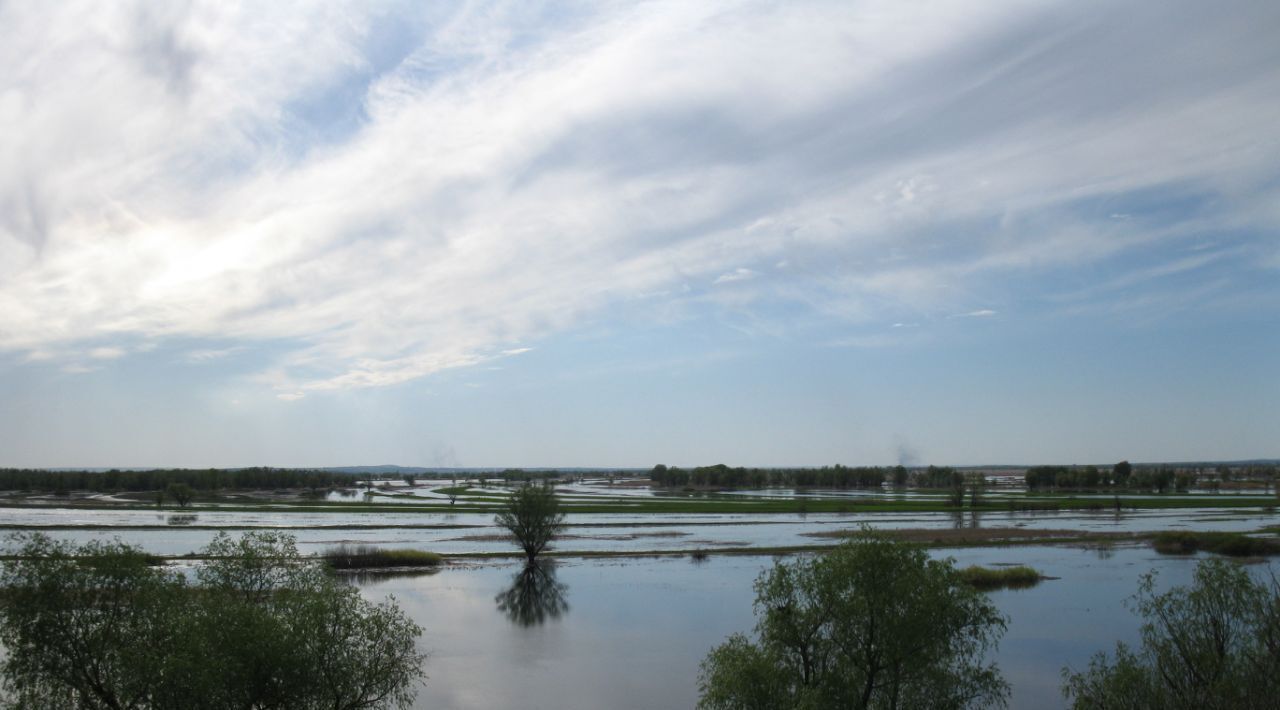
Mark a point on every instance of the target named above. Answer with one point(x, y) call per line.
point(617, 234)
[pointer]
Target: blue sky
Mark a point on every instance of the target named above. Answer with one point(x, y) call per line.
point(617, 234)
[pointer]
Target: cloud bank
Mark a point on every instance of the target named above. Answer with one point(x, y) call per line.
point(378, 194)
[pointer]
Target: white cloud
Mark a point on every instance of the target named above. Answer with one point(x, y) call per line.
point(107, 353)
point(739, 274)
point(291, 396)
point(207, 355)
point(76, 368)
point(206, 173)
point(981, 313)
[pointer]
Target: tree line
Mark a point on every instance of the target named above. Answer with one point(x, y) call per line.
point(722, 476)
point(836, 477)
point(26, 479)
point(1126, 476)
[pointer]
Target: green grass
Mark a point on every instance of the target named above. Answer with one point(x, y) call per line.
point(370, 557)
point(988, 578)
point(1182, 542)
point(451, 490)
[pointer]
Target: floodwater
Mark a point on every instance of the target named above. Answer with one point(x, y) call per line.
point(169, 533)
point(629, 634)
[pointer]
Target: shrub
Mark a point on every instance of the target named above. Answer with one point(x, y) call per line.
point(1215, 644)
point(1181, 542)
point(872, 624)
point(94, 626)
point(986, 578)
point(370, 557)
point(533, 517)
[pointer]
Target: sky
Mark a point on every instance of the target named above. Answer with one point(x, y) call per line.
point(627, 233)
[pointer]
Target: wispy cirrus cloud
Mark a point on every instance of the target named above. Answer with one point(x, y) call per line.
point(387, 193)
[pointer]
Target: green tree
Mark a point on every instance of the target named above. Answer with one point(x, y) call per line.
point(1213, 645)
point(1121, 472)
point(533, 517)
point(181, 493)
point(977, 483)
point(900, 476)
point(955, 495)
point(100, 626)
point(872, 624)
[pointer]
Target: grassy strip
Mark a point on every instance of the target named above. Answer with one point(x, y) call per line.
point(1182, 542)
point(370, 557)
point(451, 490)
point(989, 578)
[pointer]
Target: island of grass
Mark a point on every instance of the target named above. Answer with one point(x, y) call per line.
point(1183, 542)
point(990, 578)
point(364, 557)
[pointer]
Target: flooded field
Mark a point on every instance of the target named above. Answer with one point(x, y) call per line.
point(174, 534)
point(630, 631)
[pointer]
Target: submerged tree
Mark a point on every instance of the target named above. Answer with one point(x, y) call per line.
point(1215, 644)
point(872, 624)
point(100, 625)
point(533, 517)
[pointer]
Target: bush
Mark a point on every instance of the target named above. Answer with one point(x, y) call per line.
point(1182, 542)
point(370, 557)
point(1213, 645)
point(533, 518)
point(872, 624)
point(94, 626)
point(986, 578)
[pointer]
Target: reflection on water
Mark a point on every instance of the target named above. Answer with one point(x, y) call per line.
point(372, 577)
point(639, 619)
point(535, 595)
point(961, 520)
point(182, 519)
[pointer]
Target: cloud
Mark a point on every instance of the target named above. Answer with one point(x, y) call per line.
point(382, 210)
point(78, 369)
point(739, 274)
point(516, 351)
point(107, 353)
point(208, 355)
point(291, 396)
point(981, 313)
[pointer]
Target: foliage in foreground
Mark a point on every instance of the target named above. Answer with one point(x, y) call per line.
point(95, 626)
point(872, 624)
point(533, 517)
point(1215, 644)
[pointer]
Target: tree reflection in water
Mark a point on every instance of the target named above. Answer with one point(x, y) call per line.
point(534, 596)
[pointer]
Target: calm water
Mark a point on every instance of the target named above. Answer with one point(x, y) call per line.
point(630, 634)
point(474, 532)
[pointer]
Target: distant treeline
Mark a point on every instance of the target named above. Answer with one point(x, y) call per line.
point(837, 477)
point(14, 479)
point(1126, 476)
